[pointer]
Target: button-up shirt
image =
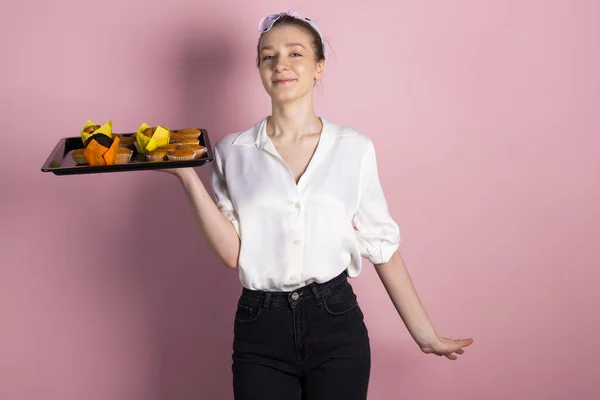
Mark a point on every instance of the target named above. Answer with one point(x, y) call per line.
point(293, 234)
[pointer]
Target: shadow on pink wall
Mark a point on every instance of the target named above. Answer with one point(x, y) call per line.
point(192, 293)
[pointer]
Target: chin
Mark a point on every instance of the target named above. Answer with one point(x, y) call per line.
point(285, 96)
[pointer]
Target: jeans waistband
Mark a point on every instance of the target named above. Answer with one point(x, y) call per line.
point(316, 290)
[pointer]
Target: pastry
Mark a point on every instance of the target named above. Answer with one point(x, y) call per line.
point(123, 155)
point(79, 157)
point(189, 132)
point(157, 155)
point(172, 146)
point(188, 141)
point(196, 148)
point(181, 154)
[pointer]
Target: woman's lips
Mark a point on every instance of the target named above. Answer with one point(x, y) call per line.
point(284, 81)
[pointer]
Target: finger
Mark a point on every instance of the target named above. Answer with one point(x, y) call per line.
point(466, 342)
point(456, 344)
point(460, 351)
point(450, 356)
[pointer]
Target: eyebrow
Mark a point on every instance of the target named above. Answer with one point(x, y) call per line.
point(286, 45)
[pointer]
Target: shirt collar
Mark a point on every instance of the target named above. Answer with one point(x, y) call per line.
point(257, 135)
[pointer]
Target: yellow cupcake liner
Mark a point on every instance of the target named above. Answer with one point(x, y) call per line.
point(159, 139)
point(105, 129)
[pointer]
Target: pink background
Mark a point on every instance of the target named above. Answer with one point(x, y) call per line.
point(484, 116)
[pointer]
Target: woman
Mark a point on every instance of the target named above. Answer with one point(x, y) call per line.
point(298, 204)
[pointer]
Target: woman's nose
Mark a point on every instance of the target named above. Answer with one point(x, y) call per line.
point(282, 64)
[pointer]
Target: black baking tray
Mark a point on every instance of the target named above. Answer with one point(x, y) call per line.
point(60, 161)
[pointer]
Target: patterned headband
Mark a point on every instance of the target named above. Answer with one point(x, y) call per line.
point(267, 22)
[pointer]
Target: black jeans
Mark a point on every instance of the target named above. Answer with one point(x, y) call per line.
point(310, 344)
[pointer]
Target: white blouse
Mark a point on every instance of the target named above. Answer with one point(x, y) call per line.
point(295, 234)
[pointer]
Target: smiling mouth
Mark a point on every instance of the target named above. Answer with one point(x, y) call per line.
point(283, 81)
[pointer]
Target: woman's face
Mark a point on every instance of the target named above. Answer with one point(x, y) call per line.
point(288, 66)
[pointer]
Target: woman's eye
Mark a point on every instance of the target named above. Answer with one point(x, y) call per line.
point(296, 54)
point(265, 58)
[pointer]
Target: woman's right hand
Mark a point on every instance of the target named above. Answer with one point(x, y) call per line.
point(178, 172)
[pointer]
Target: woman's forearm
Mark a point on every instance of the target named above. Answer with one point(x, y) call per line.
point(402, 292)
point(215, 228)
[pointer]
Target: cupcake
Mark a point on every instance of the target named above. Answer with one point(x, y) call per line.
point(181, 154)
point(149, 138)
point(148, 132)
point(79, 157)
point(175, 137)
point(157, 155)
point(91, 129)
point(197, 148)
point(123, 155)
point(189, 132)
point(172, 146)
point(188, 141)
point(127, 141)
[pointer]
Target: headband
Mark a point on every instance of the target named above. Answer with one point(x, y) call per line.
point(267, 22)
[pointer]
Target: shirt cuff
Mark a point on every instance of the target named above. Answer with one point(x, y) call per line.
point(234, 221)
point(382, 253)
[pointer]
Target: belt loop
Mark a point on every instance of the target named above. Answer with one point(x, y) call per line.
point(267, 300)
point(316, 293)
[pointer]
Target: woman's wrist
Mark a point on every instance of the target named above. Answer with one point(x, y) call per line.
point(184, 174)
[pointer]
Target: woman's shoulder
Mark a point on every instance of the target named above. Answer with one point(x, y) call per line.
point(348, 135)
point(241, 138)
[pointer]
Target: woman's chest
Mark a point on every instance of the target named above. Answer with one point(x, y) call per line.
point(262, 180)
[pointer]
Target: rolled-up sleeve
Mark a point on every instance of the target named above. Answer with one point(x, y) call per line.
point(221, 193)
point(377, 233)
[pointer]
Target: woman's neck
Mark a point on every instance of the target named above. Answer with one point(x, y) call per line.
point(293, 121)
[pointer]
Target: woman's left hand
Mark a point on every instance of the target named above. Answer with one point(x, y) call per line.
point(446, 347)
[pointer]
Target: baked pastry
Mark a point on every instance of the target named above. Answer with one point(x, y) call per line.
point(150, 138)
point(197, 148)
point(181, 154)
point(175, 137)
point(101, 149)
point(91, 128)
point(149, 131)
point(123, 155)
point(79, 157)
point(188, 141)
point(189, 132)
point(157, 155)
point(126, 141)
point(172, 146)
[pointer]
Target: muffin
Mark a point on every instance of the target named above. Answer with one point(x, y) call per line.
point(188, 141)
point(126, 141)
point(157, 155)
point(175, 137)
point(79, 157)
point(123, 155)
point(197, 148)
point(172, 146)
point(181, 154)
point(91, 128)
point(189, 132)
point(149, 131)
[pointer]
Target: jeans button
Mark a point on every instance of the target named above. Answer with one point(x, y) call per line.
point(295, 296)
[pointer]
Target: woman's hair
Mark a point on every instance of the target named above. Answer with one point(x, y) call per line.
point(317, 45)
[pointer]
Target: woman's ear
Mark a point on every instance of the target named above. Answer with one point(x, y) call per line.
point(320, 70)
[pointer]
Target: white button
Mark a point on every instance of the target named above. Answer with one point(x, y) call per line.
point(298, 205)
point(293, 277)
point(296, 242)
point(295, 296)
